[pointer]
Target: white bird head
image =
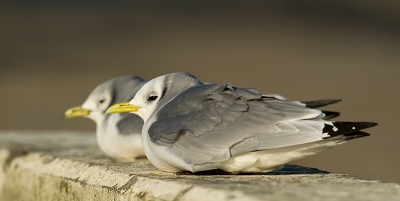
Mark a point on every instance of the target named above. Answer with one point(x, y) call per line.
point(104, 95)
point(154, 93)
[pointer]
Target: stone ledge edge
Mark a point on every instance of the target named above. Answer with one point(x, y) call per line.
point(125, 185)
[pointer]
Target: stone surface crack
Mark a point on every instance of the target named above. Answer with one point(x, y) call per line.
point(180, 194)
point(127, 185)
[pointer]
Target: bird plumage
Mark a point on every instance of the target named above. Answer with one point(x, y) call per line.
point(191, 126)
point(118, 135)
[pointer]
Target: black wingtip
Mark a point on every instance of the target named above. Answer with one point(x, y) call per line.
point(348, 129)
point(354, 125)
point(355, 135)
point(330, 114)
point(320, 103)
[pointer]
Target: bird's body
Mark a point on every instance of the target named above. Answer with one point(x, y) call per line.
point(118, 135)
point(119, 145)
point(190, 126)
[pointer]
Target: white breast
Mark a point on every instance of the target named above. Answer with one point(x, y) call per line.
point(116, 145)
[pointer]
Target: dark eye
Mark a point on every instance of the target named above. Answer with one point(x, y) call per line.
point(152, 98)
point(101, 101)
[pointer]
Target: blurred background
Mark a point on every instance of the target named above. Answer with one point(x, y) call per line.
point(52, 54)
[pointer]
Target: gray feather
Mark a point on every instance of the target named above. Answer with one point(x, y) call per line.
point(204, 122)
point(129, 124)
point(124, 88)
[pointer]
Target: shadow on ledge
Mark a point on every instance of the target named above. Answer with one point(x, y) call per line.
point(295, 169)
point(286, 170)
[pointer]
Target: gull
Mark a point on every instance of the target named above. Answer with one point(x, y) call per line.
point(191, 126)
point(118, 135)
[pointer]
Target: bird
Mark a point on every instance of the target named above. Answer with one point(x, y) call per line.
point(118, 135)
point(191, 126)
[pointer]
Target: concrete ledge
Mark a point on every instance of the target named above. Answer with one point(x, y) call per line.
point(66, 165)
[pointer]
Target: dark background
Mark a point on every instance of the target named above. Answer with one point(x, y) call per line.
point(52, 54)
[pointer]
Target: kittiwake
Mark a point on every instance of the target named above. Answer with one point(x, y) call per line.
point(191, 126)
point(118, 135)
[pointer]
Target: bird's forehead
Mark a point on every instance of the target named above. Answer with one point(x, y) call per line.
point(102, 90)
point(99, 92)
point(152, 85)
point(158, 81)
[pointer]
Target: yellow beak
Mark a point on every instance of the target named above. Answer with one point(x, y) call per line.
point(77, 111)
point(122, 107)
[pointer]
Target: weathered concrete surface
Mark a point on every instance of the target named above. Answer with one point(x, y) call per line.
point(61, 165)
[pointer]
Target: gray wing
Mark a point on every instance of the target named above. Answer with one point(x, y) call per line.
point(203, 123)
point(130, 124)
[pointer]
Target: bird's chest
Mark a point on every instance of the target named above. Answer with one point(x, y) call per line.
point(160, 156)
